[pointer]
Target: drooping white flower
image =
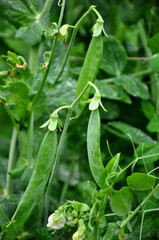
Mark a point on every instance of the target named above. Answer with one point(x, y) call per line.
point(56, 220)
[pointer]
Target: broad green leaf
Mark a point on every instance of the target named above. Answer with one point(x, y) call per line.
point(114, 56)
point(148, 109)
point(112, 91)
point(153, 43)
point(137, 135)
point(111, 168)
point(121, 201)
point(155, 63)
point(15, 11)
point(31, 33)
point(141, 181)
point(16, 95)
point(133, 86)
point(148, 149)
point(153, 125)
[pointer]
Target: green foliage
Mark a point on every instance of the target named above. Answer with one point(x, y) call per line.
point(94, 174)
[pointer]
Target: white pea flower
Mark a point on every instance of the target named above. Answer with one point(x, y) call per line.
point(56, 220)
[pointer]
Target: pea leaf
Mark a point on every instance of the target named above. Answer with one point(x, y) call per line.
point(148, 149)
point(155, 63)
point(148, 109)
point(110, 169)
point(153, 125)
point(141, 181)
point(121, 201)
point(16, 95)
point(153, 43)
point(137, 135)
point(133, 86)
point(31, 33)
point(15, 11)
point(111, 91)
point(114, 56)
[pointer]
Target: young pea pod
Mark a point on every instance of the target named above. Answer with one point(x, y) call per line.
point(93, 145)
point(38, 179)
point(89, 71)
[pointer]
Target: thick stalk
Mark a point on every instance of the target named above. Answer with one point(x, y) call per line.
point(55, 166)
point(111, 80)
point(31, 6)
point(58, 153)
point(11, 161)
point(50, 59)
point(66, 184)
point(46, 9)
point(33, 58)
point(125, 222)
point(71, 42)
point(30, 140)
point(17, 127)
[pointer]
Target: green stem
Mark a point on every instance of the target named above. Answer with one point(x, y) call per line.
point(6, 35)
point(96, 229)
point(137, 209)
point(33, 58)
point(66, 184)
point(141, 227)
point(30, 140)
point(72, 41)
point(50, 59)
point(31, 6)
point(111, 80)
point(11, 161)
point(46, 9)
point(58, 153)
point(17, 128)
point(56, 163)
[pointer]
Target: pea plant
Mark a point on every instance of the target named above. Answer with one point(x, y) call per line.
point(79, 120)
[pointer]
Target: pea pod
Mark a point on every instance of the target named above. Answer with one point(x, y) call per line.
point(89, 71)
point(39, 177)
point(93, 145)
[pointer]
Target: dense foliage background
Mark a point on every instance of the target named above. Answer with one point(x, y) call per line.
point(129, 86)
